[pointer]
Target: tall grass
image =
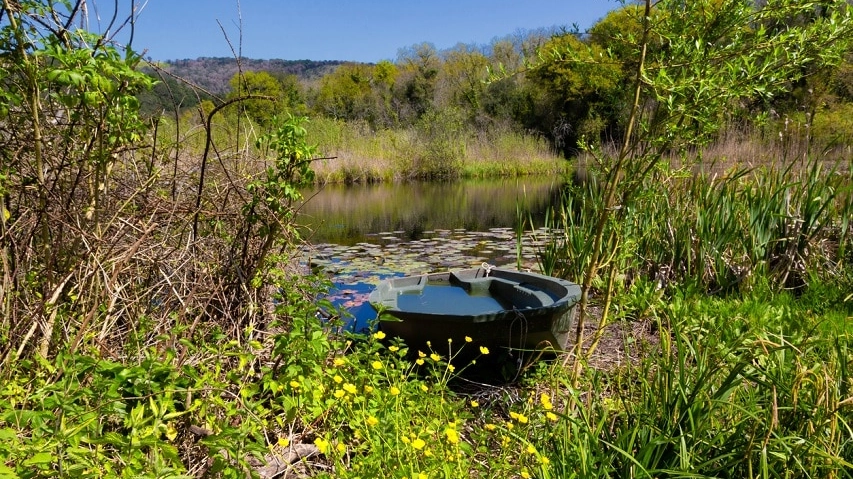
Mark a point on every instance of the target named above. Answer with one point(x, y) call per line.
point(719, 230)
point(738, 388)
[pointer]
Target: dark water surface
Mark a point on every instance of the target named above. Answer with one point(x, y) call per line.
point(362, 234)
point(347, 215)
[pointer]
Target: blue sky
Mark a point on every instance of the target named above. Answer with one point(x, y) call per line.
point(356, 30)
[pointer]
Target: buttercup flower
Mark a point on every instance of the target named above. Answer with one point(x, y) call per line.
point(521, 418)
point(551, 416)
point(338, 362)
point(372, 421)
point(379, 335)
point(418, 443)
point(350, 388)
point(452, 435)
point(377, 365)
point(468, 339)
point(484, 350)
point(395, 390)
point(322, 445)
point(434, 357)
point(546, 401)
point(338, 379)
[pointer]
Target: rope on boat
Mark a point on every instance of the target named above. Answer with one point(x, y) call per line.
point(488, 267)
point(523, 329)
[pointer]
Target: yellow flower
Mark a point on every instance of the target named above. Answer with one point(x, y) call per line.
point(418, 443)
point(372, 421)
point(551, 416)
point(283, 442)
point(338, 379)
point(531, 449)
point(420, 362)
point(468, 339)
point(424, 388)
point(339, 362)
point(421, 475)
point(379, 335)
point(421, 354)
point(451, 368)
point(546, 401)
point(339, 393)
point(484, 350)
point(525, 474)
point(405, 440)
point(322, 445)
point(474, 403)
point(490, 427)
point(452, 435)
point(395, 390)
point(368, 388)
point(341, 447)
point(544, 460)
point(350, 388)
point(294, 384)
point(434, 357)
point(377, 365)
point(393, 349)
point(521, 418)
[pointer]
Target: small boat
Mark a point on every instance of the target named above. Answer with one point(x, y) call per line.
point(491, 306)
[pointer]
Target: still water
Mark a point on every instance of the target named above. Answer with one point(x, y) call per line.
point(348, 215)
point(362, 234)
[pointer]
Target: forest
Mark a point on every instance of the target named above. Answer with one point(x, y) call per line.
point(514, 84)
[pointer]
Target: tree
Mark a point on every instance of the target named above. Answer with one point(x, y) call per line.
point(462, 78)
point(420, 65)
point(694, 60)
point(260, 84)
point(577, 91)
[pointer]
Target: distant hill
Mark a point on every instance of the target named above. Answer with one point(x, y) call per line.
point(213, 74)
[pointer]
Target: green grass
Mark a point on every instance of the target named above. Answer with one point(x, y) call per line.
point(749, 386)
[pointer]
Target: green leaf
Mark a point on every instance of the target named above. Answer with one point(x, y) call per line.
point(39, 458)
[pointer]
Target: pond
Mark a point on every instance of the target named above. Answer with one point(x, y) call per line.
point(362, 234)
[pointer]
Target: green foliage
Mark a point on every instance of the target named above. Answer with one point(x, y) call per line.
point(68, 110)
point(580, 90)
point(268, 213)
point(443, 146)
point(260, 84)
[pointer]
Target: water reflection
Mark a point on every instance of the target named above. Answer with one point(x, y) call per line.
point(362, 234)
point(347, 215)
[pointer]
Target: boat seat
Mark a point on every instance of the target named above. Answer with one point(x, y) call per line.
point(519, 296)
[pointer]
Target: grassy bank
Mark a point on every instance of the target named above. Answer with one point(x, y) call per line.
point(354, 153)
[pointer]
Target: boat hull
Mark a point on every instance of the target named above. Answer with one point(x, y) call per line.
point(497, 308)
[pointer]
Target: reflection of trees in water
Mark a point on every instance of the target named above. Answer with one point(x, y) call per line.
point(345, 214)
